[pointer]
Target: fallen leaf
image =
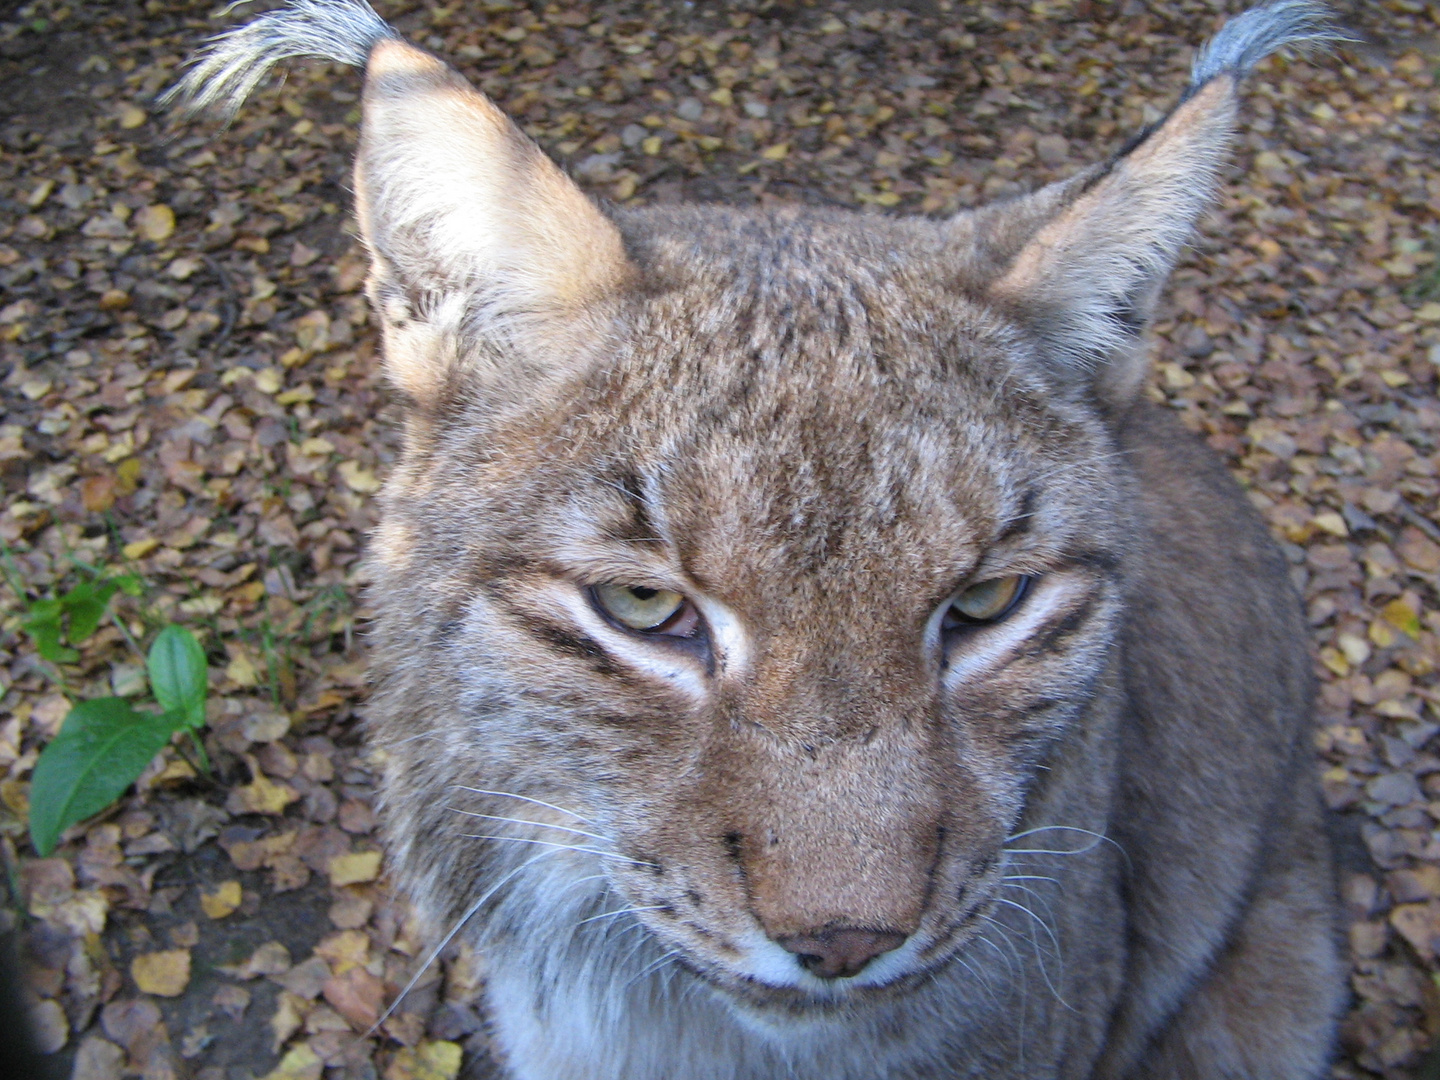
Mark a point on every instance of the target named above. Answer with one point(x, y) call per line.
point(271, 958)
point(354, 868)
point(165, 974)
point(155, 222)
point(356, 995)
point(299, 1063)
point(428, 1061)
point(222, 900)
point(358, 479)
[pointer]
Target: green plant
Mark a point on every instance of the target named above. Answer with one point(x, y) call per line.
point(72, 617)
point(104, 744)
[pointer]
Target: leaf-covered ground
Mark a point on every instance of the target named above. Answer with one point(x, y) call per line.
point(190, 391)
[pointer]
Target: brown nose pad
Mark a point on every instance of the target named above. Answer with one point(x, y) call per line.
point(839, 954)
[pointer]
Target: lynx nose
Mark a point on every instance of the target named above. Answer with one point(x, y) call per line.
point(840, 953)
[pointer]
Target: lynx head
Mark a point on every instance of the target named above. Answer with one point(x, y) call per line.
point(741, 569)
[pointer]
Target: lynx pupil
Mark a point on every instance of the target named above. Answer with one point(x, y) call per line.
point(639, 607)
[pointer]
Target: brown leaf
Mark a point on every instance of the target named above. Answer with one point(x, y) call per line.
point(356, 995)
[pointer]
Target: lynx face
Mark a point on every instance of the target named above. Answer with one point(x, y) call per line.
point(749, 581)
point(830, 744)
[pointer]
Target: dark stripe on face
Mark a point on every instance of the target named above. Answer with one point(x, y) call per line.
point(1056, 637)
point(637, 526)
point(1105, 563)
point(564, 640)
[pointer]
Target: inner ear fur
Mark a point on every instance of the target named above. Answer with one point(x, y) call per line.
point(486, 258)
point(1081, 263)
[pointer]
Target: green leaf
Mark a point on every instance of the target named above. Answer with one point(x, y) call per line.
point(86, 604)
point(179, 677)
point(103, 745)
point(42, 623)
point(130, 584)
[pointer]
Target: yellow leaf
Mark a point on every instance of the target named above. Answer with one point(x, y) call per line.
point(1335, 661)
point(179, 769)
point(345, 950)
point(299, 1063)
point(776, 152)
point(1331, 522)
point(269, 380)
point(429, 1061)
point(1381, 633)
point(722, 96)
point(165, 974)
point(131, 116)
point(264, 796)
point(354, 868)
point(140, 548)
point(651, 145)
point(297, 395)
point(358, 479)
point(242, 671)
point(1403, 617)
point(1429, 312)
point(155, 222)
point(222, 901)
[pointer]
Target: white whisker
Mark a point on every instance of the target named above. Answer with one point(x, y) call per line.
point(525, 798)
point(430, 959)
point(622, 911)
point(537, 824)
point(562, 847)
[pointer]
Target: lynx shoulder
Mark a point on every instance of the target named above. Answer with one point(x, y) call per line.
point(801, 651)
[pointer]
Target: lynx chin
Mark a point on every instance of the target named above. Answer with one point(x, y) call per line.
point(802, 651)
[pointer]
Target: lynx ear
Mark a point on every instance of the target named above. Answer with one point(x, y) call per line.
point(1090, 255)
point(486, 256)
point(485, 252)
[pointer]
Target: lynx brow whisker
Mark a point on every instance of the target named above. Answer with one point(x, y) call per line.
point(537, 824)
point(524, 798)
point(1030, 877)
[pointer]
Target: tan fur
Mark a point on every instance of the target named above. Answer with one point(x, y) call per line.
point(1081, 841)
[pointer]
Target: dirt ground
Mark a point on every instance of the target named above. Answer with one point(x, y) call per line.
point(190, 391)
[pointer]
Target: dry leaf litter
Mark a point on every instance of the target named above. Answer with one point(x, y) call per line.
point(190, 390)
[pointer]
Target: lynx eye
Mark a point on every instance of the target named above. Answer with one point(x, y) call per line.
point(648, 610)
point(985, 602)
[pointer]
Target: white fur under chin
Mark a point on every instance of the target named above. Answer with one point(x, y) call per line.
point(597, 1003)
point(672, 1025)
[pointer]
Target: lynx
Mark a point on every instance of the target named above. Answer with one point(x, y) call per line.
point(802, 650)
